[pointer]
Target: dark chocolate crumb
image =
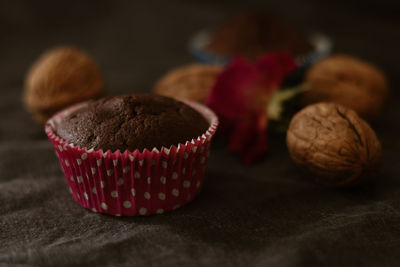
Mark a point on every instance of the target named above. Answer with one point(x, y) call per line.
point(131, 122)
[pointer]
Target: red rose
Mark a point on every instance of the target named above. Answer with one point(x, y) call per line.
point(240, 97)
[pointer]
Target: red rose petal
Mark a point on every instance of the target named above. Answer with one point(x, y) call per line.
point(240, 97)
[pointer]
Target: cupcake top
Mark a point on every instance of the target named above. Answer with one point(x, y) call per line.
point(250, 34)
point(131, 122)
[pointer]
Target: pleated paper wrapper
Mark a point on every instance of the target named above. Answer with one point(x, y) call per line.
point(134, 183)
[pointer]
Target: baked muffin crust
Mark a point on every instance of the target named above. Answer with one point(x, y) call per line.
point(131, 122)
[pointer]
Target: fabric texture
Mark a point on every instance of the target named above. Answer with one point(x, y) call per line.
point(266, 214)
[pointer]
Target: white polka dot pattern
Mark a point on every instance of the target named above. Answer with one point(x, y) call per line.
point(127, 204)
point(114, 194)
point(160, 211)
point(186, 184)
point(104, 206)
point(161, 196)
point(142, 211)
point(135, 183)
point(175, 192)
point(163, 180)
point(126, 169)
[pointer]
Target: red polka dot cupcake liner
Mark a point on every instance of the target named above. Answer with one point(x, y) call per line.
point(134, 183)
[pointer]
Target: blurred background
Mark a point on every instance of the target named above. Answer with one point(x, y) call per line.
point(136, 42)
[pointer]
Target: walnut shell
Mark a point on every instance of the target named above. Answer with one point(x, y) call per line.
point(343, 79)
point(59, 78)
point(334, 144)
point(192, 82)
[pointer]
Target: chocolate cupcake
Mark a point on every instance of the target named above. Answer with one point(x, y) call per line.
point(133, 154)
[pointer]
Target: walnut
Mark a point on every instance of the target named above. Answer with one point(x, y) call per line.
point(334, 144)
point(192, 82)
point(350, 82)
point(59, 78)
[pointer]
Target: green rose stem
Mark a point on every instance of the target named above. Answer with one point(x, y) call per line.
point(276, 107)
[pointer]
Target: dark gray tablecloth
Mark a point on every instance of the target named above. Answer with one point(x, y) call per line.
point(263, 215)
